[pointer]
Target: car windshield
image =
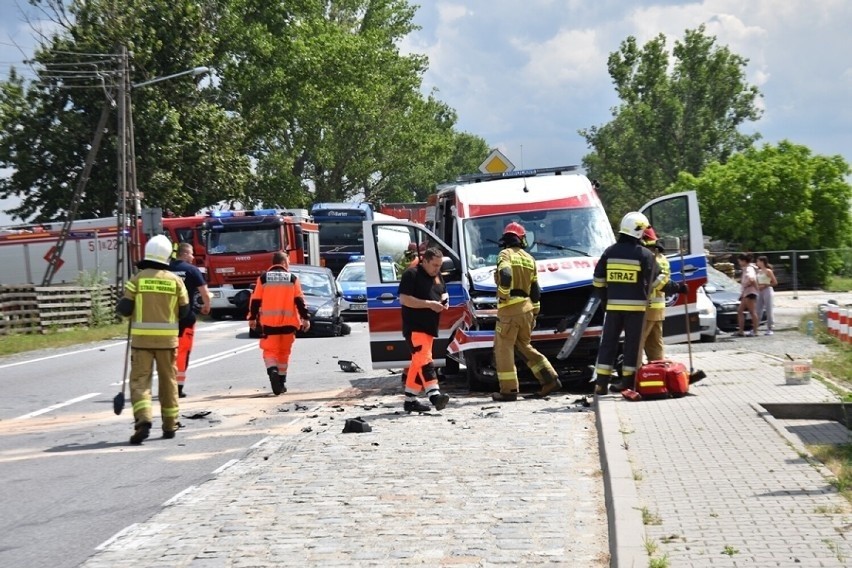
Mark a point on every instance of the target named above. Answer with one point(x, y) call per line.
point(338, 234)
point(244, 242)
point(558, 233)
point(314, 284)
point(721, 281)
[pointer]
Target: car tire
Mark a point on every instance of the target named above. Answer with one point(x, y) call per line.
point(345, 328)
point(708, 339)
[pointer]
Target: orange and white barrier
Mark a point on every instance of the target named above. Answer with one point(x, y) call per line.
point(843, 319)
point(833, 320)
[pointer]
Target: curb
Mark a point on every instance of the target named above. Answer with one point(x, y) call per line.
point(626, 530)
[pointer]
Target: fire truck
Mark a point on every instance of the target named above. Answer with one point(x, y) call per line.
point(239, 244)
point(567, 230)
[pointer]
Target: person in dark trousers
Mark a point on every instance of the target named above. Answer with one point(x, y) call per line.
point(518, 296)
point(199, 300)
point(623, 274)
point(155, 299)
point(423, 296)
point(277, 310)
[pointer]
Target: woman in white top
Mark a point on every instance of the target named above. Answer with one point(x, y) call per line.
point(748, 297)
point(766, 283)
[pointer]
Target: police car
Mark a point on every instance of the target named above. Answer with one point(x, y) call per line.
point(353, 283)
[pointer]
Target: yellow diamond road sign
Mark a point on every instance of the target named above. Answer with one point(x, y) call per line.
point(496, 163)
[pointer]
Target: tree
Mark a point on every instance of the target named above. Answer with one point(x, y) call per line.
point(674, 117)
point(333, 110)
point(190, 153)
point(777, 198)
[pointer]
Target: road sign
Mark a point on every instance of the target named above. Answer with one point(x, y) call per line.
point(496, 163)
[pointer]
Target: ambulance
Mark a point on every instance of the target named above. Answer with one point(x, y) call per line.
point(567, 230)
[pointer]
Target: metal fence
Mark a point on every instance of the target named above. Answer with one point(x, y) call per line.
point(794, 269)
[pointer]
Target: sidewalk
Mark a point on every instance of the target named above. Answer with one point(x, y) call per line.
point(718, 481)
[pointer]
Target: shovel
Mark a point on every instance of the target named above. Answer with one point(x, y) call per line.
point(118, 401)
point(694, 376)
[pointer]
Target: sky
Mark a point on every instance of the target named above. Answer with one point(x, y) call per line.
point(527, 75)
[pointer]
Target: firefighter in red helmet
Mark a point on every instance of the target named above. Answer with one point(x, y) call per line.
point(518, 296)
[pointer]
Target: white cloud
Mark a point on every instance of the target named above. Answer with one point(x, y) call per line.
point(570, 59)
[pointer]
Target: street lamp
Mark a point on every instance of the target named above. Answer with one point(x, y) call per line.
point(195, 72)
point(127, 165)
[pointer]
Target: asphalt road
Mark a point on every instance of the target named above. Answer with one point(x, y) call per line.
point(71, 481)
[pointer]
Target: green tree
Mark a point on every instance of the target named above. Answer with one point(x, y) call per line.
point(675, 116)
point(777, 198)
point(190, 152)
point(333, 110)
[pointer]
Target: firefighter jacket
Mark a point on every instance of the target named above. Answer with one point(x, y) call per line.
point(158, 297)
point(517, 281)
point(657, 301)
point(626, 269)
point(277, 302)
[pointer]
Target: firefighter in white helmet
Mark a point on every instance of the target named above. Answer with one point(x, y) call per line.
point(155, 299)
point(518, 296)
point(623, 274)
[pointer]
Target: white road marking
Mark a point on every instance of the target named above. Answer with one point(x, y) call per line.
point(55, 406)
point(224, 466)
point(260, 442)
point(177, 497)
point(209, 359)
point(116, 536)
point(6, 366)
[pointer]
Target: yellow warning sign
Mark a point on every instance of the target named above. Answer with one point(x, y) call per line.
point(496, 163)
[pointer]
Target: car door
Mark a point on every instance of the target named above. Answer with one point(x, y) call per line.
point(398, 242)
point(677, 221)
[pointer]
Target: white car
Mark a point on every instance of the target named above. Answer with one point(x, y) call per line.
point(706, 316)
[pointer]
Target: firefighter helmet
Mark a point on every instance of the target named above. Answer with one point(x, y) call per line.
point(516, 229)
point(634, 224)
point(158, 250)
point(649, 237)
point(514, 235)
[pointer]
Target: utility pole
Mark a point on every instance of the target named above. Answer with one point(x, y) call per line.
point(55, 257)
point(124, 229)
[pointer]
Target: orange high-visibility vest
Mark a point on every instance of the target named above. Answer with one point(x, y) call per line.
point(277, 290)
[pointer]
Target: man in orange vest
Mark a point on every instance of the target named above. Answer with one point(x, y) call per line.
point(277, 307)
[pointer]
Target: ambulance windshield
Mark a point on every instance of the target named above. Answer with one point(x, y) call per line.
point(551, 234)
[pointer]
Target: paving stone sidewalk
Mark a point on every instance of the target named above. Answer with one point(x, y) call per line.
point(720, 482)
point(478, 484)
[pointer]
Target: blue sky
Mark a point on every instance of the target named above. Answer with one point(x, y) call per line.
point(527, 75)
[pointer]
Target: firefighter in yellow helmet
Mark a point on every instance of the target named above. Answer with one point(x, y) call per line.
point(518, 296)
point(155, 299)
point(652, 333)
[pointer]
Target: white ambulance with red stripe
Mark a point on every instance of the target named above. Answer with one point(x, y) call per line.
point(567, 230)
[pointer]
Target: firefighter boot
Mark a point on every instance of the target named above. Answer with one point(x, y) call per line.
point(415, 406)
point(548, 388)
point(439, 401)
point(274, 380)
point(141, 433)
point(504, 396)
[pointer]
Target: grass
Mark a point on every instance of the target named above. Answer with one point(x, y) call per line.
point(649, 518)
point(18, 343)
point(661, 562)
point(838, 460)
point(839, 284)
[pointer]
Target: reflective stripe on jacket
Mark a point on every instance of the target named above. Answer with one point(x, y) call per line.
point(516, 278)
point(657, 301)
point(625, 269)
point(277, 300)
point(157, 295)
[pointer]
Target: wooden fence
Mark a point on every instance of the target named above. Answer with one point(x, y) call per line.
point(38, 309)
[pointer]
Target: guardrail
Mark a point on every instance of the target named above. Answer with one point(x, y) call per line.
point(38, 309)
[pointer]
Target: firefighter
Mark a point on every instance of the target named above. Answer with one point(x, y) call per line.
point(277, 310)
point(518, 296)
point(652, 333)
point(423, 296)
point(199, 300)
point(624, 273)
point(155, 299)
